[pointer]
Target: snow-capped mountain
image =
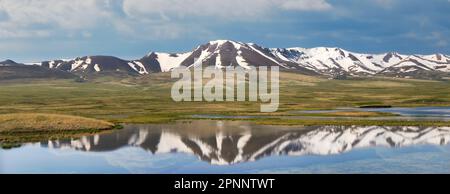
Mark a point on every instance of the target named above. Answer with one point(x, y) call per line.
point(416, 65)
point(103, 64)
point(321, 60)
point(231, 146)
point(326, 61)
point(222, 54)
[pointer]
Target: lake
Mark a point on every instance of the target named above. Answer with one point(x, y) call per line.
point(239, 147)
point(416, 113)
point(442, 112)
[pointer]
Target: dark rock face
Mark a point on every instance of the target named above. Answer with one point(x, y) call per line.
point(105, 64)
point(387, 57)
point(195, 55)
point(256, 59)
point(151, 63)
point(290, 53)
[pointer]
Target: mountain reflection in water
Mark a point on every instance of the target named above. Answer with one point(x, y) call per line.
point(226, 142)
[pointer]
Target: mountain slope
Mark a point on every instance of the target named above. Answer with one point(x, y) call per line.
point(321, 60)
point(423, 66)
point(331, 62)
point(225, 53)
point(101, 65)
point(327, 61)
point(12, 70)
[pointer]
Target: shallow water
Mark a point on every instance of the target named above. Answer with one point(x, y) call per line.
point(239, 147)
point(416, 114)
point(407, 112)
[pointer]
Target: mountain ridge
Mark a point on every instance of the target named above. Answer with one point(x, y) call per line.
point(332, 62)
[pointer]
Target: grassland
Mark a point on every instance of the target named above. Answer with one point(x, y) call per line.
point(18, 128)
point(147, 99)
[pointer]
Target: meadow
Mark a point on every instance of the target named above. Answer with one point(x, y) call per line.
point(147, 99)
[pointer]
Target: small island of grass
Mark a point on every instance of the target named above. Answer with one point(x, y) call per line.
point(32, 127)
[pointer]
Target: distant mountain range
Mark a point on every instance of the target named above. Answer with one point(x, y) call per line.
point(12, 70)
point(244, 144)
point(330, 62)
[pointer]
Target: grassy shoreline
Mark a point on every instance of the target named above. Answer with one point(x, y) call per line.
point(16, 129)
point(335, 120)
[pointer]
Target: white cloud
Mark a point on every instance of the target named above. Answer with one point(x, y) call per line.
point(306, 5)
point(230, 9)
point(166, 9)
point(24, 33)
point(40, 18)
point(72, 14)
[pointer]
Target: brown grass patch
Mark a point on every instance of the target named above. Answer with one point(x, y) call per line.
point(27, 122)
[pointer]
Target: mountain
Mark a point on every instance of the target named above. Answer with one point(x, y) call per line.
point(419, 66)
point(314, 61)
point(9, 63)
point(225, 53)
point(325, 61)
point(90, 65)
point(332, 61)
point(244, 144)
point(11, 70)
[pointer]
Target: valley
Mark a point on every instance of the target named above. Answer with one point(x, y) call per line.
point(146, 99)
point(120, 91)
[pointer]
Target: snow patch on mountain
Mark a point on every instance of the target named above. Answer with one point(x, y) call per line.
point(138, 67)
point(97, 68)
point(169, 61)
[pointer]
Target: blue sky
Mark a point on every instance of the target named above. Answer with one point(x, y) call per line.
point(34, 30)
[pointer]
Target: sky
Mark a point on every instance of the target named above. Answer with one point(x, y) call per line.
point(35, 30)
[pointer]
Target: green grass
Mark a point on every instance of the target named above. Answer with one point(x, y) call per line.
point(147, 99)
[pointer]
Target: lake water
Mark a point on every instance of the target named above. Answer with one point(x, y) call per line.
point(418, 113)
point(239, 147)
point(443, 112)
